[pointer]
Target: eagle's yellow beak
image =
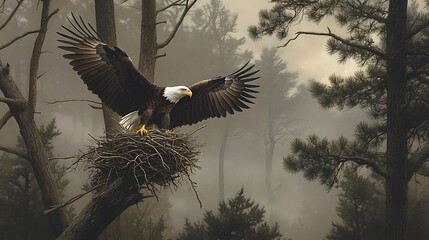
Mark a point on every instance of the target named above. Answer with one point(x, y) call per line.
point(187, 92)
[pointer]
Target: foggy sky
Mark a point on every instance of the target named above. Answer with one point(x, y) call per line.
point(298, 205)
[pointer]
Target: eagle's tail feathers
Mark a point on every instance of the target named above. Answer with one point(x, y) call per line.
point(130, 121)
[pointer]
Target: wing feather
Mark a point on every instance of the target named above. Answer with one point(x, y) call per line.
point(216, 97)
point(106, 70)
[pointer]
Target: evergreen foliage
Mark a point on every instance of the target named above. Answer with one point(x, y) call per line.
point(136, 225)
point(21, 206)
point(392, 85)
point(361, 208)
point(365, 22)
point(238, 218)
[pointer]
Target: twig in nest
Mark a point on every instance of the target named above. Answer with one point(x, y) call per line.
point(156, 159)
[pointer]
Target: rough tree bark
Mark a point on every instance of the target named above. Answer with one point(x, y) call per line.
point(23, 112)
point(397, 182)
point(148, 40)
point(105, 24)
point(36, 152)
point(106, 206)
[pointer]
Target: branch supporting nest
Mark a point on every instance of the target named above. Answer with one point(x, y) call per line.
point(156, 159)
point(120, 166)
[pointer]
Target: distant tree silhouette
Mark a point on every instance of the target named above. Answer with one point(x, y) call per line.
point(214, 24)
point(21, 204)
point(275, 83)
point(238, 218)
point(361, 209)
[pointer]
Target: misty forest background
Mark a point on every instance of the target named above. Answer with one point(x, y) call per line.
point(290, 167)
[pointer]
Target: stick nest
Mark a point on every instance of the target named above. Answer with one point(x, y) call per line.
point(157, 158)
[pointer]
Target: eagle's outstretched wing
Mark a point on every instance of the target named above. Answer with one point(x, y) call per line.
point(215, 97)
point(107, 70)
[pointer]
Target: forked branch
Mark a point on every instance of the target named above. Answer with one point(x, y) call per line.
point(14, 151)
point(188, 6)
point(15, 102)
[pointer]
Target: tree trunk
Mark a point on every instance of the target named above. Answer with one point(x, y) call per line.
point(396, 186)
point(105, 23)
point(148, 41)
point(36, 153)
point(102, 210)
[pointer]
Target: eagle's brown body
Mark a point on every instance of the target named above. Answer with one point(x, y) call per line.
point(156, 112)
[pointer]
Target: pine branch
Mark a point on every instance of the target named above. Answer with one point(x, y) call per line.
point(340, 39)
point(419, 71)
point(14, 151)
point(188, 6)
point(417, 160)
point(363, 161)
point(418, 29)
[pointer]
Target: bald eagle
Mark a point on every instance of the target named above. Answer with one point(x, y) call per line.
point(109, 72)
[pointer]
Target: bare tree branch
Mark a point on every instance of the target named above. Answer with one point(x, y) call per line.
point(188, 6)
point(11, 14)
point(161, 22)
point(63, 158)
point(161, 55)
point(35, 58)
point(15, 102)
point(17, 38)
point(14, 151)
point(340, 39)
point(73, 100)
point(5, 118)
point(176, 3)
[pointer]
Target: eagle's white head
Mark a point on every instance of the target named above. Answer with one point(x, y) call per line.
point(174, 94)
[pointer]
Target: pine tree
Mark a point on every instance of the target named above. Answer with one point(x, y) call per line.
point(137, 225)
point(275, 83)
point(239, 218)
point(216, 24)
point(21, 206)
point(391, 86)
point(361, 208)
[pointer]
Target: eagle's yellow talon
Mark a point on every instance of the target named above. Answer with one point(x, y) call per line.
point(142, 131)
